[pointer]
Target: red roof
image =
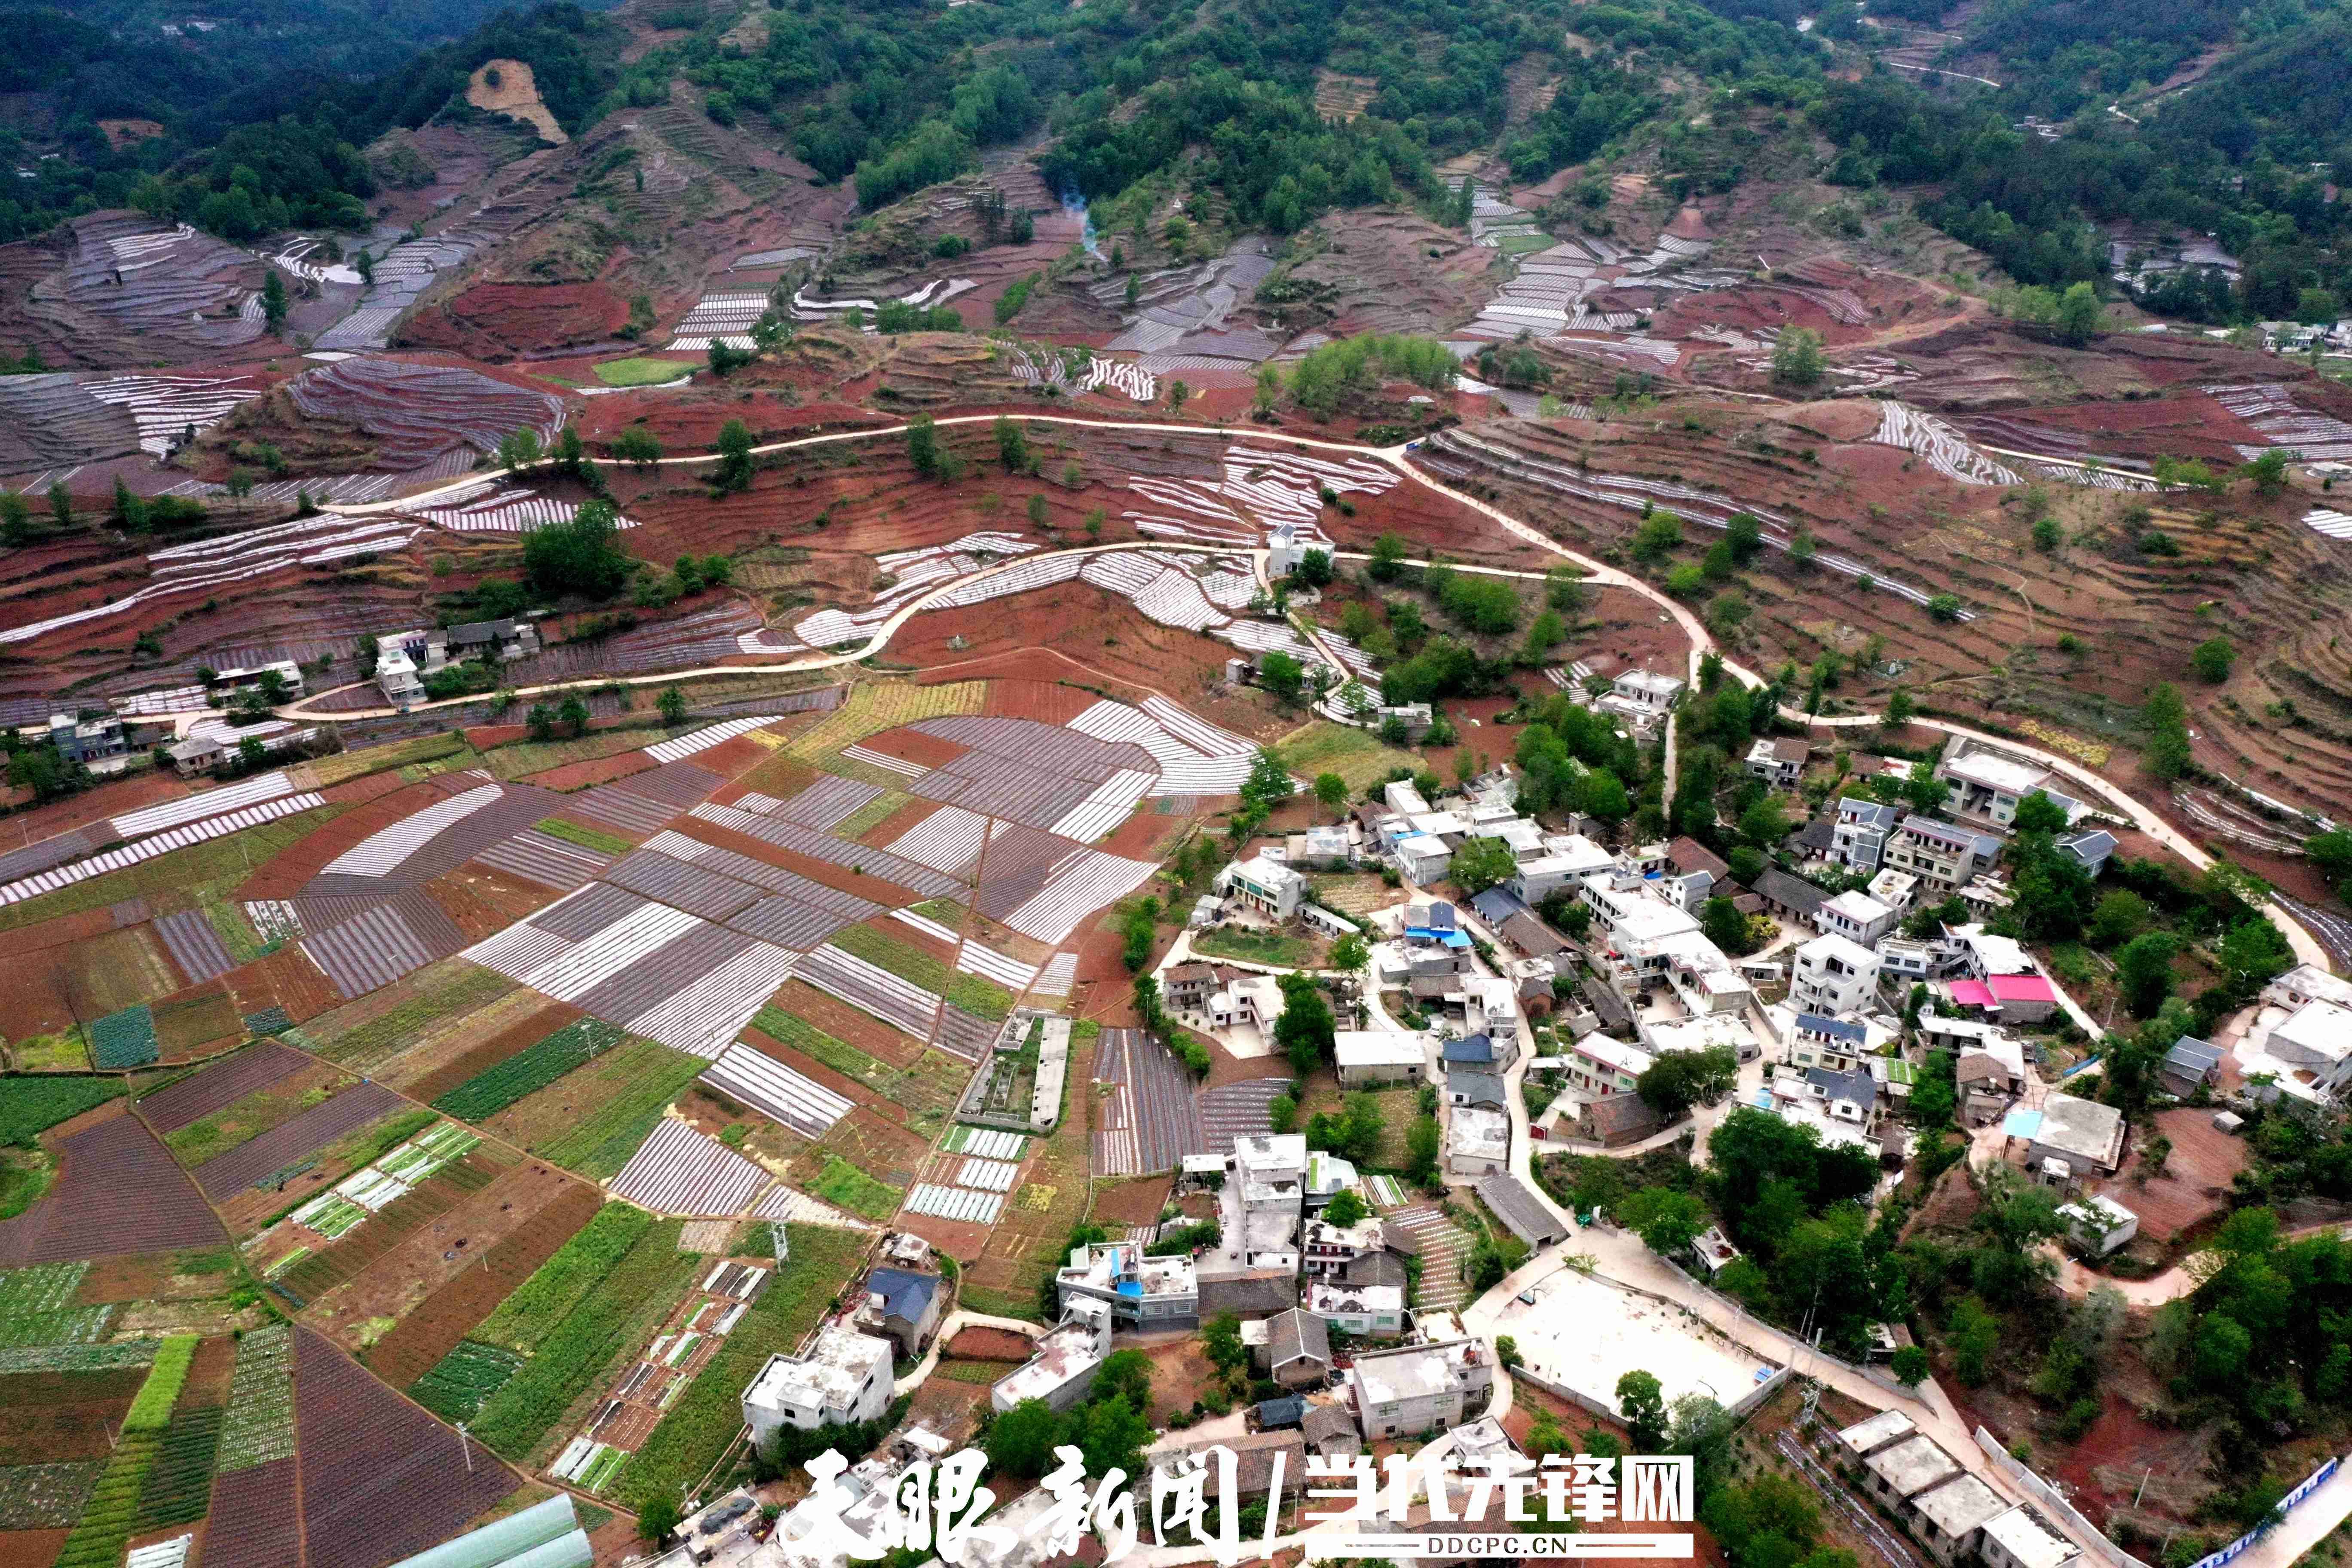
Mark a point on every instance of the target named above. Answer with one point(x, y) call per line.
point(2021, 988)
point(1971, 993)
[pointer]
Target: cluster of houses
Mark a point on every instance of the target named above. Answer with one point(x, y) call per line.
point(1952, 1514)
point(193, 738)
point(406, 660)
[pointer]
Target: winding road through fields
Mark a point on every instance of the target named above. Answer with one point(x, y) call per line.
point(2148, 819)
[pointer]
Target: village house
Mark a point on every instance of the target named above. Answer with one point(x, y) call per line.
point(1779, 761)
point(2075, 1137)
point(1857, 916)
point(844, 1378)
point(1297, 1348)
point(1943, 855)
point(903, 1307)
point(1420, 1388)
point(1858, 838)
point(1269, 887)
point(1989, 783)
point(1832, 976)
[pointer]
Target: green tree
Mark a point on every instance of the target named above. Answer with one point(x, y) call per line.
point(540, 722)
point(2268, 472)
point(2119, 917)
point(672, 704)
point(1910, 1366)
point(1306, 1031)
point(735, 464)
point(1282, 674)
point(573, 714)
point(923, 446)
point(2212, 659)
point(581, 555)
point(1422, 1142)
point(1388, 556)
point(1972, 1335)
point(1667, 1221)
point(273, 300)
point(1345, 1209)
point(1944, 607)
point(1797, 357)
point(2166, 719)
point(1221, 1342)
point(15, 518)
point(2143, 971)
point(1349, 955)
point(61, 505)
point(1021, 1441)
point(1725, 926)
point(2048, 535)
point(1331, 790)
point(1282, 1114)
point(518, 450)
point(2037, 812)
point(1660, 534)
point(658, 1516)
point(639, 446)
point(1036, 510)
point(1481, 863)
point(1011, 446)
point(1641, 1401)
point(1900, 706)
point(1677, 1080)
point(2081, 317)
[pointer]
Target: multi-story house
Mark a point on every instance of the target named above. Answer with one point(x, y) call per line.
point(1858, 841)
point(1833, 976)
point(1421, 1388)
point(1943, 855)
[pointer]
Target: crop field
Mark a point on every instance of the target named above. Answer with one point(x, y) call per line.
point(872, 1142)
point(846, 1186)
point(704, 1419)
point(458, 1306)
point(571, 1357)
point(529, 1070)
point(969, 992)
point(199, 873)
point(259, 1425)
point(585, 838)
point(561, 1283)
point(123, 1040)
point(116, 1192)
point(29, 1106)
point(343, 767)
point(1026, 1244)
point(926, 1088)
point(873, 707)
point(309, 1139)
point(189, 1025)
point(361, 1245)
point(46, 1497)
point(179, 1484)
point(872, 814)
point(592, 1120)
point(380, 1478)
point(443, 991)
point(639, 370)
point(240, 1121)
point(455, 1389)
point(112, 1511)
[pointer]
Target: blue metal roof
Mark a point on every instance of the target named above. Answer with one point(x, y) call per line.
point(905, 1294)
point(1835, 1028)
point(1496, 905)
point(1470, 1048)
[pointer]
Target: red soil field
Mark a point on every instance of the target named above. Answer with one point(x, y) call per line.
point(116, 1191)
point(482, 903)
point(1116, 640)
point(1049, 701)
point(964, 1242)
point(897, 822)
point(684, 424)
point(31, 1548)
point(253, 1522)
point(30, 827)
point(62, 931)
point(499, 320)
point(366, 787)
point(573, 776)
point(989, 1344)
point(287, 979)
point(34, 993)
point(730, 758)
point(380, 1478)
point(437, 1254)
point(292, 869)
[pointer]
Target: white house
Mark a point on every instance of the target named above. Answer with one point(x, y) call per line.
point(844, 1378)
point(1477, 1140)
point(2099, 1224)
point(1368, 1056)
point(1857, 916)
point(1269, 887)
point(1834, 975)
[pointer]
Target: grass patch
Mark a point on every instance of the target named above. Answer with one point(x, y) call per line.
point(598, 1329)
point(639, 370)
point(1255, 946)
point(843, 1185)
point(650, 1076)
point(31, 1106)
point(237, 934)
point(394, 1030)
point(1356, 756)
point(525, 757)
point(872, 814)
point(874, 706)
point(969, 992)
point(25, 1177)
point(704, 1418)
point(342, 766)
point(586, 838)
point(51, 1053)
point(528, 1071)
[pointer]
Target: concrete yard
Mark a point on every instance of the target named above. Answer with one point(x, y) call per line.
point(1585, 1334)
